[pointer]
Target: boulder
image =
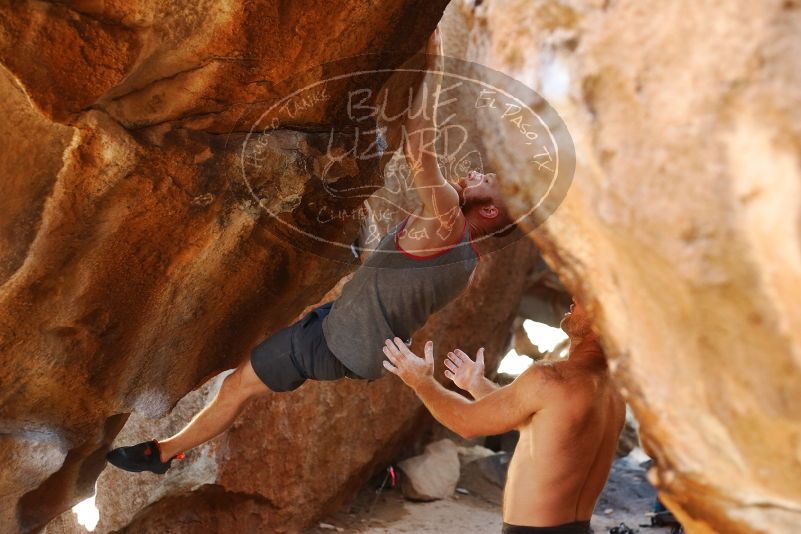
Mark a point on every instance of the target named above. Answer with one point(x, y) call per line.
point(485, 477)
point(680, 229)
point(495, 467)
point(135, 261)
point(471, 453)
point(432, 475)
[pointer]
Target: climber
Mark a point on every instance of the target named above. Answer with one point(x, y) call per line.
point(568, 412)
point(417, 268)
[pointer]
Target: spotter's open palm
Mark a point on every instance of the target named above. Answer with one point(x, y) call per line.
point(407, 365)
point(465, 373)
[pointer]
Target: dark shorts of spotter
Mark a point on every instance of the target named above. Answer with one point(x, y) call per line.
point(298, 353)
point(577, 527)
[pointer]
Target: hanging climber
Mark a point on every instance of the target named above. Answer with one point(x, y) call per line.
point(415, 270)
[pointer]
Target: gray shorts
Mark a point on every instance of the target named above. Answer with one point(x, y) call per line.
point(298, 353)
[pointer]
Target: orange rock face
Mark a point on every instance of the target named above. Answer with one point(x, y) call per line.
point(134, 262)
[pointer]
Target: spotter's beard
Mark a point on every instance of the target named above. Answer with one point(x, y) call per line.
point(575, 326)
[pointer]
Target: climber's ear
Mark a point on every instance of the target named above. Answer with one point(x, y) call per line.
point(489, 211)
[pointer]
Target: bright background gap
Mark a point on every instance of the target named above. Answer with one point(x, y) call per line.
point(87, 513)
point(545, 337)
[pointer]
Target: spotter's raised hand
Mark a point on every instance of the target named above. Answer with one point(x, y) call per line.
point(411, 368)
point(465, 372)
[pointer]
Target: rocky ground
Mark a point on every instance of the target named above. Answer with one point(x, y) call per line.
point(627, 498)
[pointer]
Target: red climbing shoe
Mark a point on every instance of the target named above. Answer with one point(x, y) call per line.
point(141, 457)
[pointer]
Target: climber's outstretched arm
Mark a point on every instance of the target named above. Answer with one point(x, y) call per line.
point(420, 133)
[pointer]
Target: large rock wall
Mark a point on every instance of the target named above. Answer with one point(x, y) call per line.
point(134, 263)
point(681, 229)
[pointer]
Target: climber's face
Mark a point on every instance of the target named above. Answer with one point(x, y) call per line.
point(576, 323)
point(477, 185)
point(482, 202)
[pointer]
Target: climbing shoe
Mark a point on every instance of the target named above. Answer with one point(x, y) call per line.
point(141, 457)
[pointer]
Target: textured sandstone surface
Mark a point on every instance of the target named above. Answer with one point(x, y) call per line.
point(200, 65)
point(681, 229)
point(134, 263)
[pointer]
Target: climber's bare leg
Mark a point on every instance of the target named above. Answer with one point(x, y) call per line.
point(236, 389)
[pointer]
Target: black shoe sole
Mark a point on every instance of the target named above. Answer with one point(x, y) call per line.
point(130, 469)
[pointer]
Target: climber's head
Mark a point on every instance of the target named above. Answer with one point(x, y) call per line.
point(483, 205)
